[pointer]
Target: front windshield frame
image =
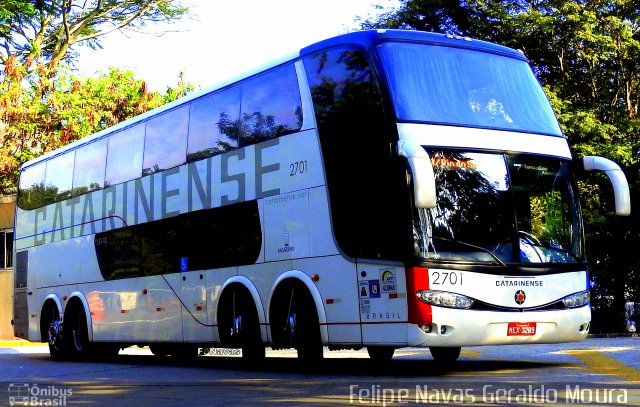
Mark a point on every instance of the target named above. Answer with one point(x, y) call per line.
point(446, 85)
point(501, 209)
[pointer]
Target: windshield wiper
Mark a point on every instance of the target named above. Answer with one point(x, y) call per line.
point(482, 249)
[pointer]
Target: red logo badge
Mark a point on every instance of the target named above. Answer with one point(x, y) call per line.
point(520, 297)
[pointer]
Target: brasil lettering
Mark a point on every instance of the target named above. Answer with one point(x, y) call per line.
point(236, 176)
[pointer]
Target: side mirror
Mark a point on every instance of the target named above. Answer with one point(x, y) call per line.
point(617, 178)
point(424, 181)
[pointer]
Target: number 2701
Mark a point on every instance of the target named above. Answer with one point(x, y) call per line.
point(298, 167)
point(445, 277)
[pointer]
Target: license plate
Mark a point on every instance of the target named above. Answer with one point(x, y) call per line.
point(521, 329)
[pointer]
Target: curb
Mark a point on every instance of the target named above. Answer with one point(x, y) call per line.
point(19, 343)
point(615, 335)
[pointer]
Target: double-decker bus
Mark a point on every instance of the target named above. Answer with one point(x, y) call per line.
point(379, 189)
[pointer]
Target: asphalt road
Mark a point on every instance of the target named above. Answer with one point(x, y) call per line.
point(594, 372)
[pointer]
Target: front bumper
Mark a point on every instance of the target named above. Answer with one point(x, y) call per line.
point(454, 327)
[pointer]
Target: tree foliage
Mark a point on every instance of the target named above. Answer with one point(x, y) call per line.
point(585, 53)
point(53, 107)
point(37, 30)
point(43, 105)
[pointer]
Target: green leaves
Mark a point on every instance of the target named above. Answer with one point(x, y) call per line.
point(43, 106)
point(50, 110)
point(48, 31)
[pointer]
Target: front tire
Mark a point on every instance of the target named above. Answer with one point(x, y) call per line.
point(445, 355)
point(381, 353)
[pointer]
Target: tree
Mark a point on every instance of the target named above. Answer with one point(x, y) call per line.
point(585, 54)
point(11, 8)
point(42, 105)
point(46, 30)
point(53, 107)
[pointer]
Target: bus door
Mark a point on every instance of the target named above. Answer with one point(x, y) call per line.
point(383, 304)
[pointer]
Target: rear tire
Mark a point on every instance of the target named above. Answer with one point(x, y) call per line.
point(238, 324)
point(76, 332)
point(54, 338)
point(303, 327)
point(445, 355)
point(294, 321)
point(160, 351)
point(104, 352)
point(174, 350)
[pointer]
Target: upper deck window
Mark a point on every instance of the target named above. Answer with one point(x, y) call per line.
point(166, 141)
point(270, 106)
point(213, 124)
point(58, 177)
point(124, 155)
point(444, 85)
point(91, 161)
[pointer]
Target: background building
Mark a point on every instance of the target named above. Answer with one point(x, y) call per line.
point(7, 213)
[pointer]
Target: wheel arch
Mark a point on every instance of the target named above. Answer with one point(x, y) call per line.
point(300, 277)
point(78, 297)
point(257, 301)
point(50, 300)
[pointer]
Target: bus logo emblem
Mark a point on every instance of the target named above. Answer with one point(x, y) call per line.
point(520, 297)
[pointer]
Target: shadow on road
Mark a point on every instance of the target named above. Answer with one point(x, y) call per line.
point(335, 366)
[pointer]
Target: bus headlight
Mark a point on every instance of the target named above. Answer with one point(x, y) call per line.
point(577, 300)
point(444, 299)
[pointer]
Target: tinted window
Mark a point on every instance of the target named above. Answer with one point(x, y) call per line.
point(166, 141)
point(91, 161)
point(124, 155)
point(495, 207)
point(271, 105)
point(59, 176)
point(31, 190)
point(465, 87)
point(213, 124)
point(366, 183)
point(221, 237)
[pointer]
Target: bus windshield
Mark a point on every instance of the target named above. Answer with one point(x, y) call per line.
point(455, 86)
point(501, 209)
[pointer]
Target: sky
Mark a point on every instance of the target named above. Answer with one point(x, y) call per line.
point(221, 39)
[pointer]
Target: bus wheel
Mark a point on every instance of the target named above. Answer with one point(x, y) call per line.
point(160, 350)
point(53, 326)
point(104, 351)
point(302, 327)
point(238, 323)
point(76, 332)
point(380, 352)
point(184, 352)
point(442, 354)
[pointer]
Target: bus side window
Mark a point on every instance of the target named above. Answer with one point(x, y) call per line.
point(271, 106)
point(31, 189)
point(88, 174)
point(166, 141)
point(214, 123)
point(365, 183)
point(124, 155)
point(58, 178)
